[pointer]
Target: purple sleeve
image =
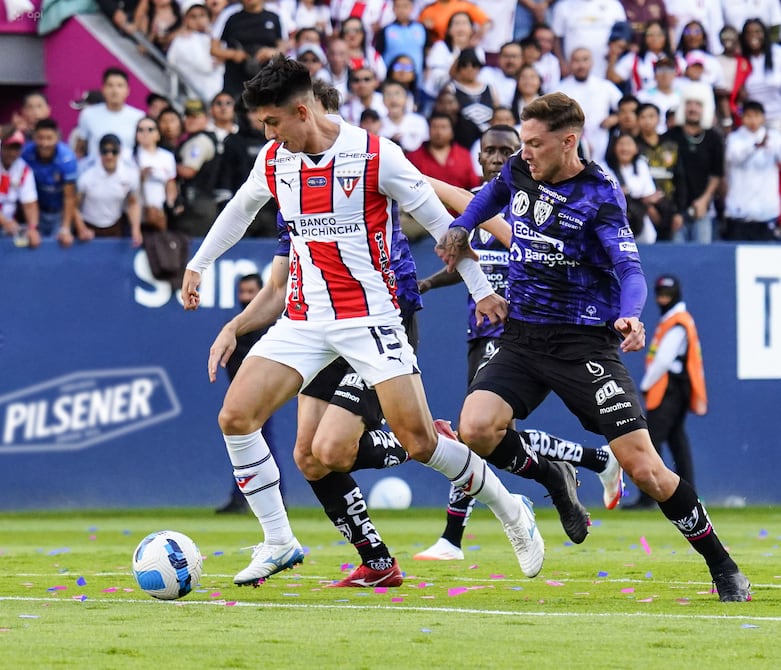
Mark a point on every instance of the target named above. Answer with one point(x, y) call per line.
point(490, 200)
point(283, 237)
point(634, 290)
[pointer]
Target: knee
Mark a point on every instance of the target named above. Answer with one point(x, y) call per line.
point(477, 430)
point(235, 422)
point(334, 456)
point(306, 462)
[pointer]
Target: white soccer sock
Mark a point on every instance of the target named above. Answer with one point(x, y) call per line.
point(257, 475)
point(468, 471)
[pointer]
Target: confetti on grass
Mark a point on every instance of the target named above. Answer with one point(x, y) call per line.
point(551, 582)
point(81, 581)
point(456, 591)
point(644, 544)
point(628, 590)
point(397, 600)
point(602, 573)
point(110, 589)
point(748, 625)
point(57, 588)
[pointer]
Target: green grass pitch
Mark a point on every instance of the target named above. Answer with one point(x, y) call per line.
point(632, 596)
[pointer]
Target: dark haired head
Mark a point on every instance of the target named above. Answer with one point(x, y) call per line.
point(557, 111)
point(468, 57)
point(439, 115)
point(647, 105)
point(501, 128)
point(753, 106)
point(369, 115)
point(156, 97)
point(328, 96)
point(46, 124)
point(114, 72)
point(277, 83)
point(253, 277)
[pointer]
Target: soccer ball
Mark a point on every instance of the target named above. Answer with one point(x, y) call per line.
point(167, 564)
point(390, 493)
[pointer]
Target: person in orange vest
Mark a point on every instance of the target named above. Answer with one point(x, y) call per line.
point(674, 380)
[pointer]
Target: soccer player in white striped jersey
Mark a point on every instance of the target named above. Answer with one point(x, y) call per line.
point(334, 185)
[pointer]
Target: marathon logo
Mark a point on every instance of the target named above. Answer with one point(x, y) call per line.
point(551, 193)
point(627, 246)
point(615, 407)
point(83, 409)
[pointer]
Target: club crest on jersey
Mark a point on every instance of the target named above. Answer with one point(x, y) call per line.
point(317, 182)
point(520, 203)
point(348, 184)
point(542, 210)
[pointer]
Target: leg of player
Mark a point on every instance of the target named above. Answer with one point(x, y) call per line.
point(338, 492)
point(679, 503)
point(459, 508)
point(602, 461)
point(403, 401)
point(483, 425)
point(260, 388)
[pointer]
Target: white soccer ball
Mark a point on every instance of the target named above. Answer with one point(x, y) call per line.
point(167, 565)
point(390, 493)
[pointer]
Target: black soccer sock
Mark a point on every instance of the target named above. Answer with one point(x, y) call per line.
point(459, 507)
point(378, 449)
point(343, 503)
point(688, 514)
point(555, 449)
point(515, 455)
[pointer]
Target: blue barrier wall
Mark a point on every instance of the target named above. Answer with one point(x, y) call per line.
point(105, 402)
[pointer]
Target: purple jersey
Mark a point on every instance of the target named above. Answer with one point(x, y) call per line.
point(402, 263)
point(572, 248)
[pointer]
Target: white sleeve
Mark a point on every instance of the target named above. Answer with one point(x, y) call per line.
point(27, 191)
point(233, 221)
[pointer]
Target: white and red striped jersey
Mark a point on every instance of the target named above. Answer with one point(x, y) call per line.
point(338, 212)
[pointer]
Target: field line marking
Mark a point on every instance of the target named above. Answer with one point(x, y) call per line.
point(408, 608)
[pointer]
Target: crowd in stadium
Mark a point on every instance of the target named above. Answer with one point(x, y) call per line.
point(682, 103)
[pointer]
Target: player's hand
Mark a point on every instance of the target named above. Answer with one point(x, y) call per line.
point(190, 296)
point(493, 308)
point(453, 246)
point(633, 332)
point(221, 350)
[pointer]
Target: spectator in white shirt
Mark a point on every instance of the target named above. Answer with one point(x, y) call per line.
point(157, 172)
point(364, 95)
point(190, 50)
point(108, 190)
point(504, 78)
point(599, 99)
point(666, 95)
point(752, 158)
point(110, 117)
point(586, 23)
point(407, 129)
point(17, 189)
point(547, 64)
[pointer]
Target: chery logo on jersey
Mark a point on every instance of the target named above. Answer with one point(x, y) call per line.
point(85, 408)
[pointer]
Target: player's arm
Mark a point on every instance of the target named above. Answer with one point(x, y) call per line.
point(618, 242)
point(228, 228)
point(264, 310)
point(400, 180)
point(491, 200)
point(458, 199)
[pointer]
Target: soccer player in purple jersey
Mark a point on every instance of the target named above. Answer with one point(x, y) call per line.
point(497, 145)
point(576, 290)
